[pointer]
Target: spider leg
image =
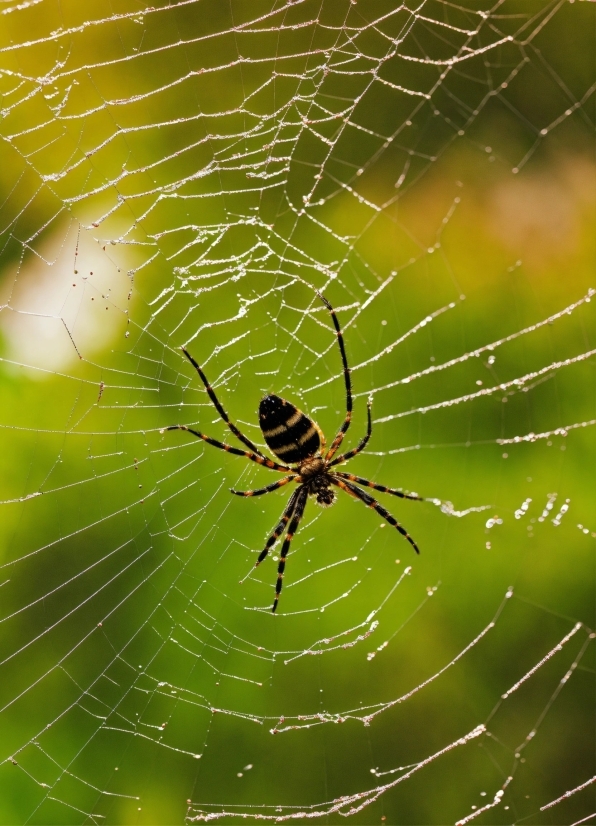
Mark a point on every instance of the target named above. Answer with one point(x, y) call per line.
point(361, 445)
point(219, 407)
point(260, 460)
point(280, 528)
point(372, 503)
point(267, 489)
point(340, 340)
point(351, 478)
point(302, 494)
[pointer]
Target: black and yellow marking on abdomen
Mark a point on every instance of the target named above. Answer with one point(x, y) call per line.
point(289, 433)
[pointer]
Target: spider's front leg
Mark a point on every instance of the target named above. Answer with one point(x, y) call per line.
point(383, 488)
point(301, 497)
point(280, 528)
point(355, 491)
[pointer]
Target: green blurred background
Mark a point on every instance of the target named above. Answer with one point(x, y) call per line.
point(191, 173)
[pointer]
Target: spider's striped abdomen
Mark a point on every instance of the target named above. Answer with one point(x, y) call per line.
point(289, 434)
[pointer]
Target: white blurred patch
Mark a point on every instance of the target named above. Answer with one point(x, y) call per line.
point(67, 300)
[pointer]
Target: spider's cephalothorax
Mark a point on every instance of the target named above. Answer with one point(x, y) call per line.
point(314, 474)
point(297, 440)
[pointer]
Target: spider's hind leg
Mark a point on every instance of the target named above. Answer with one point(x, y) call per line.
point(347, 381)
point(362, 443)
point(219, 407)
point(260, 460)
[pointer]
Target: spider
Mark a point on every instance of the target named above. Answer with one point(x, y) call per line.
point(297, 440)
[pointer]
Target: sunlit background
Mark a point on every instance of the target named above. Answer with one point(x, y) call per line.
point(191, 173)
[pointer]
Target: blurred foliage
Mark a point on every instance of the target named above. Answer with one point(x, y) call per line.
point(139, 541)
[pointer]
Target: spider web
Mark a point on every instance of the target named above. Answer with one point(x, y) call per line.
point(191, 174)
